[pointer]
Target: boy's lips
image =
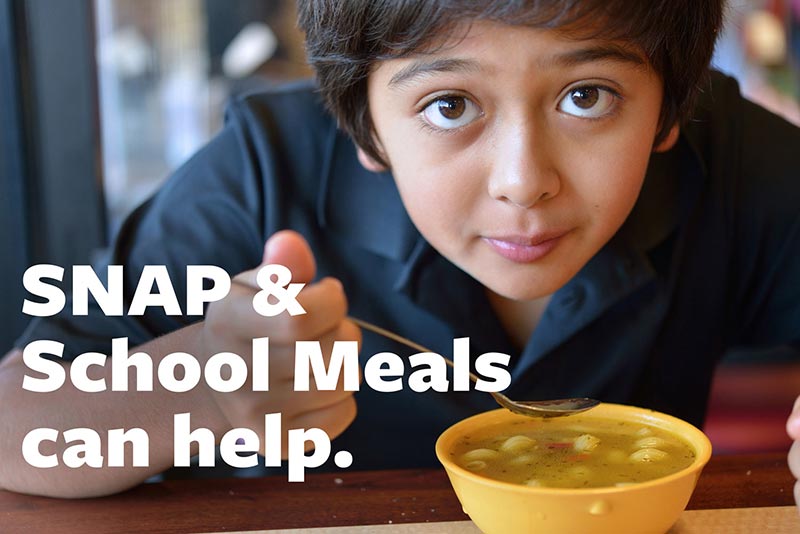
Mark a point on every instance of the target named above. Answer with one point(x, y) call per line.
point(525, 248)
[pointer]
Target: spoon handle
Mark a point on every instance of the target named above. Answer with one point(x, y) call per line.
point(548, 408)
point(400, 339)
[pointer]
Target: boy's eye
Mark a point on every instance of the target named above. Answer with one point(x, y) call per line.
point(450, 112)
point(588, 102)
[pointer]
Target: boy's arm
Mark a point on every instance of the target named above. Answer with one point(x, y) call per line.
point(68, 408)
point(230, 325)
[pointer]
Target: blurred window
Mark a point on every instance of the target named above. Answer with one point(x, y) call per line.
point(760, 47)
point(166, 69)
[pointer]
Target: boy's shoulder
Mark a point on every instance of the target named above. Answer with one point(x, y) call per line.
point(290, 127)
point(727, 127)
point(291, 138)
point(748, 154)
point(291, 105)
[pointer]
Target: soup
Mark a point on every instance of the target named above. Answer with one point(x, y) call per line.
point(572, 452)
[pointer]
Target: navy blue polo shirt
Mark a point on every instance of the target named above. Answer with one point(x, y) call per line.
point(709, 259)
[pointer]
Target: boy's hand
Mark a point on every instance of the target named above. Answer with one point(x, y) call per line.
point(793, 428)
point(231, 324)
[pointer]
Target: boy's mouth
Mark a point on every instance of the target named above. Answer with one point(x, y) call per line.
point(525, 248)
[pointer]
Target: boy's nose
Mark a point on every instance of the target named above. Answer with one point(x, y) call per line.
point(523, 171)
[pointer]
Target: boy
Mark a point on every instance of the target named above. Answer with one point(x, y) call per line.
point(548, 198)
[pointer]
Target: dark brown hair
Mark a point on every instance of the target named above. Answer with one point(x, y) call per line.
point(344, 38)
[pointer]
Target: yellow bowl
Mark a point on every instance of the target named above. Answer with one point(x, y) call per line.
point(643, 508)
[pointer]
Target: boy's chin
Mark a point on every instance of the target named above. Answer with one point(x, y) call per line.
point(521, 282)
point(524, 291)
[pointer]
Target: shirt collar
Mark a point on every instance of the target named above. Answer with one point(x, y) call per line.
point(363, 206)
point(669, 190)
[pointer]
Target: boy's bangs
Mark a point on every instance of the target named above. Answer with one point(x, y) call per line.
point(424, 24)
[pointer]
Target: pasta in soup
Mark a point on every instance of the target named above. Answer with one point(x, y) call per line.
point(573, 452)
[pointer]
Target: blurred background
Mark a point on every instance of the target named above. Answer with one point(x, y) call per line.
point(165, 70)
point(102, 99)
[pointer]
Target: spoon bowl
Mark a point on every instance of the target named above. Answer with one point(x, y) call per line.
point(540, 408)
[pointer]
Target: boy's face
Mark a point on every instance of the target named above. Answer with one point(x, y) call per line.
point(518, 153)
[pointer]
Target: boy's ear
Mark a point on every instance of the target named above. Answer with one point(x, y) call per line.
point(670, 140)
point(368, 162)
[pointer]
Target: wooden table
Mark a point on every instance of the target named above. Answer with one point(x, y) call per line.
point(337, 499)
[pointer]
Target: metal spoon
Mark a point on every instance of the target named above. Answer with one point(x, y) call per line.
point(544, 408)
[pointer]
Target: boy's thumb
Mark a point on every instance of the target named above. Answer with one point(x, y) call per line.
point(290, 249)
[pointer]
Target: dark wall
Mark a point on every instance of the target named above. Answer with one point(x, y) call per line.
point(14, 251)
point(51, 208)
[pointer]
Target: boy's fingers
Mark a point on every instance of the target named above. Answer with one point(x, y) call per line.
point(290, 249)
point(234, 319)
point(324, 302)
point(287, 248)
point(797, 493)
point(333, 419)
point(326, 307)
point(794, 459)
point(307, 403)
point(793, 423)
point(344, 331)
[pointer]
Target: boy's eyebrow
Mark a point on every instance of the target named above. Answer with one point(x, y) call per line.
point(600, 52)
point(420, 68)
